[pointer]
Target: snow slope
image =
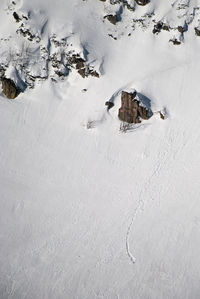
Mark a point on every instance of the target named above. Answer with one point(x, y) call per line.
point(87, 211)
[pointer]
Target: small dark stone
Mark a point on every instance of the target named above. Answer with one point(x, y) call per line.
point(162, 116)
point(109, 104)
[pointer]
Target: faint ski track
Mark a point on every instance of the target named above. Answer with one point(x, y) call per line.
point(140, 207)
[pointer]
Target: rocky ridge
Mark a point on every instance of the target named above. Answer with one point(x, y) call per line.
point(58, 56)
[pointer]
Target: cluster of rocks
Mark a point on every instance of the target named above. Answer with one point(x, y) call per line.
point(54, 60)
point(82, 67)
point(139, 2)
point(185, 15)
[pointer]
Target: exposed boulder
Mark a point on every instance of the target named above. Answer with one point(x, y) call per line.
point(10, 90)
point(132, 109)
point(111, 18)
point(181, 29)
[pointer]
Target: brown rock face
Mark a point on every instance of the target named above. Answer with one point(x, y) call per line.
point(197, 31)
point(142, 2)
point(10, 90)
point(112, 19)
point(131, 109)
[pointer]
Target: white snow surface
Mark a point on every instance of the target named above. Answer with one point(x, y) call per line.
point(87, 211)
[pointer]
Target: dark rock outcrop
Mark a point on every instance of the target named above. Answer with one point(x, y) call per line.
point(181, 29)
point(157, 27)
point(142, 2)
point(16, 16)
point(109, 104)
point(175, 41)
point(132, 109)
point(162, 116)
point(82, 67)
point(197, 31)
point(10, 90)
point(111, 18)
point(160, 26)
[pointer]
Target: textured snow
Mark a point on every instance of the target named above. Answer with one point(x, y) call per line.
point(87, 211)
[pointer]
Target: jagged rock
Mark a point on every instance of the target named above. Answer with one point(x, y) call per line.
point(165, 27)
point(109, 104)
point(181, 29)
point(129, 7)
point(175, 41)
point(162, 115)
point(82, 72)
point(111, 18)
point(157, 27)
point(142, 2)
point(10, 90)
point(197, 31)
point(94, 73)
point(160, 26)
point(131, 108)
point(80, 63)
point(16, 16)
point(83, 69)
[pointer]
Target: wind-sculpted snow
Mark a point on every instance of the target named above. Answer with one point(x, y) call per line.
point(42, 40)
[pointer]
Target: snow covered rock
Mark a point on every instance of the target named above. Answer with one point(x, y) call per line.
point(142, 2)
point(132, 109)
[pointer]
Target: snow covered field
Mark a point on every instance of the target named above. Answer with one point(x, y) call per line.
point(95, 212)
